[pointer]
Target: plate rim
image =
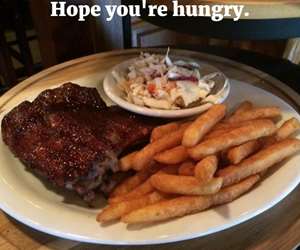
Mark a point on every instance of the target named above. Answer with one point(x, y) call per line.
point(172, 239)
point(68, 236)
point(277, 84)
point(273, 82)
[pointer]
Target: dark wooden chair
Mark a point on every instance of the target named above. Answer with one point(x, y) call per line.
point(12, 18)
point(61, 38)
point(6, 67)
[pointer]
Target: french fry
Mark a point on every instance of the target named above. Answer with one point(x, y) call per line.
point(187, 168)
point(230, 193)
point(255, 130)
point(184, 205)
point(256, 113)
point(227, 126)
point(126, 162)
point(206, 168)
point(236, 154)
point(244, 106)
point(168, 209)
point(117, 210)
point(172, 156)
point(202, 125)
point(187, 185)
point(260, 161)
point(132, 182)
point(143, 188)
point(161, 131)
point(288, 128)
point(171, 140)
point(223, 128)
point(217, 133)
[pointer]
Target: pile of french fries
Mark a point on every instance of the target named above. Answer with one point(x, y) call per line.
point(190, 166)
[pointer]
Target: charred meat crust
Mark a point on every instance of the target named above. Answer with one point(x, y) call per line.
point(68, 135)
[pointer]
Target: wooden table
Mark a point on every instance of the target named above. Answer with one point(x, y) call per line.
point(277, 228)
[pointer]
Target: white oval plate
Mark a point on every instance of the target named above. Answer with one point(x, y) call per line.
point(26, 198)
point(112, 90)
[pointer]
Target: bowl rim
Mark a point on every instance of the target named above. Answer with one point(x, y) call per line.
point(180, 113)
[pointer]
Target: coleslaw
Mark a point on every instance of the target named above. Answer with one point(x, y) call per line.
point(155, 81)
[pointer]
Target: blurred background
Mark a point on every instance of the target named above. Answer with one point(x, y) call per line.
point(31, 40)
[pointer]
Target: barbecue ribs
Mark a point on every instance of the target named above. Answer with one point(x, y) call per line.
point(69, 136)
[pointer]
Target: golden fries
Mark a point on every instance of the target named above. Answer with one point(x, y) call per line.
point(256, 113)
point(260, 161)
point(188, 204)
point(202, 125)
point(144, 156)
point(288, 128)
point(161, 131)
point(143, 188)
point(126, 162)
point(244, 106)
point(224, 127)
point(187, 185)
point(230, 193)
point(187, 168)
point(206, 168)
point(117, 210)
point(255, 130)
point(139, 191)
point(170, 184)
point(217, 133)
point(132, 182)
point(229, 126)
point(237, 154)
point(168, 209)
point(172, 156)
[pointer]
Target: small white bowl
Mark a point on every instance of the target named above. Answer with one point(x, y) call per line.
point(112, 90)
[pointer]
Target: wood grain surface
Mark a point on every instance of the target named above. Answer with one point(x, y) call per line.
point(277, 228)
